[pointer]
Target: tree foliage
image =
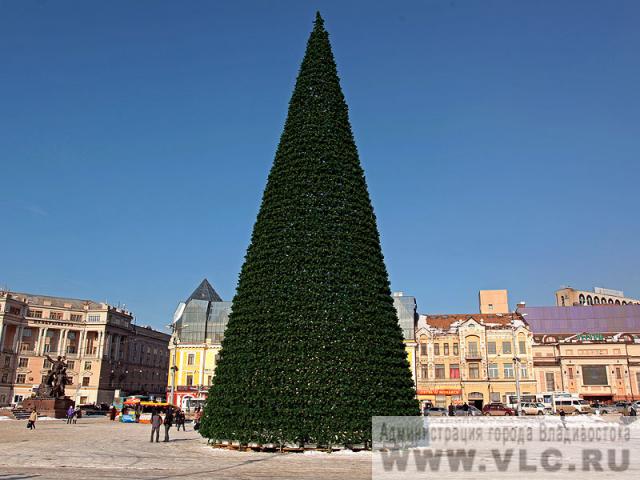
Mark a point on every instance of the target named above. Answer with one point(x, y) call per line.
point(313, 348)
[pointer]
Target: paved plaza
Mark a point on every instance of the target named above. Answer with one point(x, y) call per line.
point(98, 448)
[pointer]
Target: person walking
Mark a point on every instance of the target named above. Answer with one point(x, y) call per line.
point(70, 413)
point(168, 421)
point(77, 414)
point(31, 423)
point(196, 419)
point(137, 414)
point(156, 423)
point(563, 419)
point(451, 410)
point(112, 413)
point(465, 407)
point(180, 420)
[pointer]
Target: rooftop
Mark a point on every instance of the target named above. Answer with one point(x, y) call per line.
point(581, 319)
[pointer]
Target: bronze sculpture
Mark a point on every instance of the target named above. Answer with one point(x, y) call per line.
point(56, 378)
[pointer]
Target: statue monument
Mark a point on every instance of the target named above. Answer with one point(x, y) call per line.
point(49, 398)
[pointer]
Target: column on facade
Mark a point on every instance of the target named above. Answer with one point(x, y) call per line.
point(60, 338)
point(44, 340)
point(17, 338)
point(3, 332)
point(100, 343)
point(202, 365)
point(81, 339)
point(116, 354)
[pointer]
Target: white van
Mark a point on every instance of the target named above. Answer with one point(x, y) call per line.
point(572, 406)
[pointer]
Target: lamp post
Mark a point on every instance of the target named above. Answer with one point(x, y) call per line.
point(174, 368)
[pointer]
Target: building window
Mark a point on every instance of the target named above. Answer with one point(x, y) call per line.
point(21, 378)
point(594, 375)
point(83, 400)
point(508, 370)
point(46, 364)
point(473, 349)
point(436, 349)
point(189, 380)
point(522, 347)
point(71, 349)
point(491, 348)
point(490, 306)
point(474, 370)
point(14, 310)
point(55, 315)
point(23, 362)
point(440, 371)
point(191, 359)
point(85, 381)
point(424, 372)
point(506, 347)
point(523, 371)
point(423, 349)
point(493, 370)
point(87, 365)
point(209, 378)
point(26, 332)
point(93, 318)
point(618, 373)
point(446, 349)
point(550, 380)
point(71, 364)
point(455, 349)
point(454, 370)
point(570, 371)
point(34, 313)
point(5, 377)
point(589, 300)
point(43, 379)
point(76, 317)
point(494, 397)
point(581, 299)
point(7, 361)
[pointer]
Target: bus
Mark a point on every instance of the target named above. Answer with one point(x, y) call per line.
point(146, 408)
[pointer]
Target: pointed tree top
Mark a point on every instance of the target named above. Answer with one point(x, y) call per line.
point(319, 20)
point(205, 292)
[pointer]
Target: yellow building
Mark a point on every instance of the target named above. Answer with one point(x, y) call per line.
point(198, 328)
point(473, 358)
point(406, 308)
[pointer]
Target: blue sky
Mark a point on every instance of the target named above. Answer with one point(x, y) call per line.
point(500, 140)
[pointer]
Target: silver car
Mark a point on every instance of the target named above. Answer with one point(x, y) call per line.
point(472, 412)
point(435, 412)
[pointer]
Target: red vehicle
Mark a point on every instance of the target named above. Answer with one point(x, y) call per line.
point(497, 409)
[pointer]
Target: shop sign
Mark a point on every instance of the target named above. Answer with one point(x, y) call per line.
point(590, 337)
point(439, 391)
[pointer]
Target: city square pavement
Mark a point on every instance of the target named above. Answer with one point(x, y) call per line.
point(98, 448)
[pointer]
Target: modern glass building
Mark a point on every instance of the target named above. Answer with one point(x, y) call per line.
point(198, 329)
point(203, 317)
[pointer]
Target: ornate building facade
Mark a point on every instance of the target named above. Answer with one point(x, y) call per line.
point(473, 358)
point(104, 350)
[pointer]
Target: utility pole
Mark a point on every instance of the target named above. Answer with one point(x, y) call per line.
point(516, 366)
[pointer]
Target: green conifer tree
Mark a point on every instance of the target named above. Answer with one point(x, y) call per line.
point(313, 348)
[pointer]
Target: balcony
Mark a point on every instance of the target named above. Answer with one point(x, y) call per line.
point(473, 355)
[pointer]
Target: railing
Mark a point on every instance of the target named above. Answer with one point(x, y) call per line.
point(473, 355)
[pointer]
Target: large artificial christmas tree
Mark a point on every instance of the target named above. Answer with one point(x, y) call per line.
point(313, 348)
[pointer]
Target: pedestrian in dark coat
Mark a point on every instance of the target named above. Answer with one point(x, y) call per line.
point(168, 422)
point(156, 423)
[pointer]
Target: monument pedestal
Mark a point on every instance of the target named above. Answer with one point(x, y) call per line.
point(50, 407)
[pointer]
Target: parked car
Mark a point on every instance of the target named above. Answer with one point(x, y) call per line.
point(531, 408)
point(91, 410)
point(572, 406)
point(497, 409)
point(471, 412)
point(435, 412)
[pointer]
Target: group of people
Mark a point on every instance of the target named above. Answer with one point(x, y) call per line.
point(73, 414)
point(170, 417)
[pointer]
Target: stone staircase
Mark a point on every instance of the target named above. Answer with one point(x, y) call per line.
point(20, 413)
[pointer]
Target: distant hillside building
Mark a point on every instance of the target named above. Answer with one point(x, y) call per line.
point(568, 297)
point(198, 328)
point(494, 301)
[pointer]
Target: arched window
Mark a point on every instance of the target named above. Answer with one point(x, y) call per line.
point(604, 300)
point(617, 302)
point(473, 346)
point(611, 301)
point(581, 299)
point(589, 300)
point(624, 303)
point(596, 300)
